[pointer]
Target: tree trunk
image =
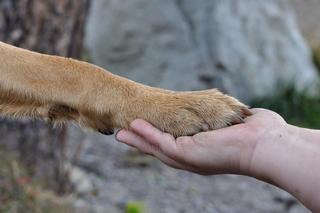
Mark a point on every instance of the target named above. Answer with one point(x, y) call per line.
point(52, 27)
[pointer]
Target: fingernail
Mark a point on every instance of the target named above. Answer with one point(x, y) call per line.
point(118, 136)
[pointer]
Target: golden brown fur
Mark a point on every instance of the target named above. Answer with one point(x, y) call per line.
point(59, 89)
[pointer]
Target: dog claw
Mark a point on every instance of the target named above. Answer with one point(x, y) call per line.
point(246, 112)
point(106, 131)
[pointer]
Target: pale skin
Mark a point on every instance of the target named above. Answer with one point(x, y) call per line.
point(264, 147)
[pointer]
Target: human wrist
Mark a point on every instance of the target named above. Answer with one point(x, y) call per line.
point(270, 152)
point(288, 159)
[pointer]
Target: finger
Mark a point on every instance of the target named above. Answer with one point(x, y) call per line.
point(258, 110)
point(132, 139)
point(254, 111)
point(149, 132)
point(164, 141)
point(223, 136)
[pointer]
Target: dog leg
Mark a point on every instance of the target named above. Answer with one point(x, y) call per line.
point(57, 88)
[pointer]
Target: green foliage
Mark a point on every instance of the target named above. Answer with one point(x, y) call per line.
point(316, 57)
point(135, 207)
point(296, 107)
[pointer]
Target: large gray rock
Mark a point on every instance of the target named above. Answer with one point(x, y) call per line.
point(246, 48)
point(308, 14)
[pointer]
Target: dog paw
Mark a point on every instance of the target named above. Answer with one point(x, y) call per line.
point(177, 113)
point(187, 113)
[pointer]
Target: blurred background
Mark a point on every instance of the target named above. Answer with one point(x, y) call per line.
point(266, 53)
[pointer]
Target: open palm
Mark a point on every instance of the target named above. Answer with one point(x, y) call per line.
point(225, 151)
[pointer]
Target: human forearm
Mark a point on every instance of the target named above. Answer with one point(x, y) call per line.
point(289, 158)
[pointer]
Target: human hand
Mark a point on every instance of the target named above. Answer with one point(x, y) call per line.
point(225, 151)
point(264, 147)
